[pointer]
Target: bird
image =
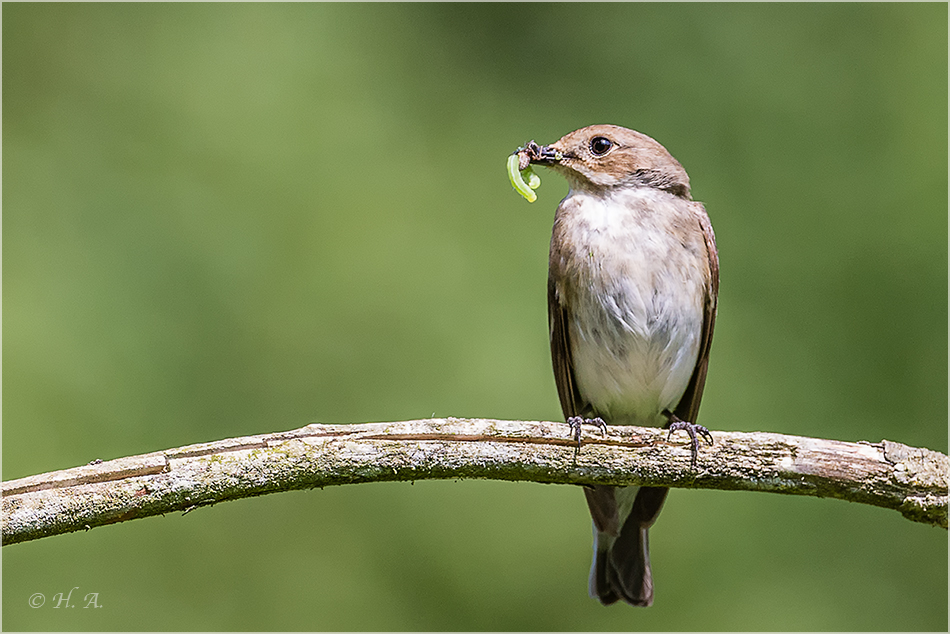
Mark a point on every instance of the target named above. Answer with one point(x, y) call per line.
point(633, 285)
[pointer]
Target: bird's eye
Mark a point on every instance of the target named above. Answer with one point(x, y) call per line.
point(600, 145)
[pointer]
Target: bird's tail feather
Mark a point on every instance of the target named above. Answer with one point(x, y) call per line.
point(621, 565)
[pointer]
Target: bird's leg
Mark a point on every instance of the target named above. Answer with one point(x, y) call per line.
point(576, 421)
point(695, 433)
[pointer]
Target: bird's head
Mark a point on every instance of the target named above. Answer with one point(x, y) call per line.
point(609, 156)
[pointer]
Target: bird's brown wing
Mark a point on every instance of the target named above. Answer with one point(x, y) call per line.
point(688, 407)
point(572, 404)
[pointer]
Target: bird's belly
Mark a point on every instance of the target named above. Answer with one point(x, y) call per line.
point(634, 346)
point(632, 268)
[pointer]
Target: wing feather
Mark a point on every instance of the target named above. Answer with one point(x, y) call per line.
point(688, 407)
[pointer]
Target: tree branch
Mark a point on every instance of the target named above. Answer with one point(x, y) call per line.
point(887, 474)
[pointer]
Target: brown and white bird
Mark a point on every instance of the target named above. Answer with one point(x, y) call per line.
point(632, 290)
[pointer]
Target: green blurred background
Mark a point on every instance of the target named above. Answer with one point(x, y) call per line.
point(231, 219)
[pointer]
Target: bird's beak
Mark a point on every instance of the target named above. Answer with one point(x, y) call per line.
point(546, 155)
point(536, 154)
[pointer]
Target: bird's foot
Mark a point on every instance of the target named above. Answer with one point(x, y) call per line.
point(575, 423)
point(695, 433)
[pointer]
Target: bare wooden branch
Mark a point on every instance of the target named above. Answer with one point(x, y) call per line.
point(887, 474)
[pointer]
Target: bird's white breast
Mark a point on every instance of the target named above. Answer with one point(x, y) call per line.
point(634, 278)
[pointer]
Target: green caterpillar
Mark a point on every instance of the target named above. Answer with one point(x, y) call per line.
point(525, 188)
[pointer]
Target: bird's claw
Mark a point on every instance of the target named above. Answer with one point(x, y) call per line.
point(575, 423)
point(695, 433)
